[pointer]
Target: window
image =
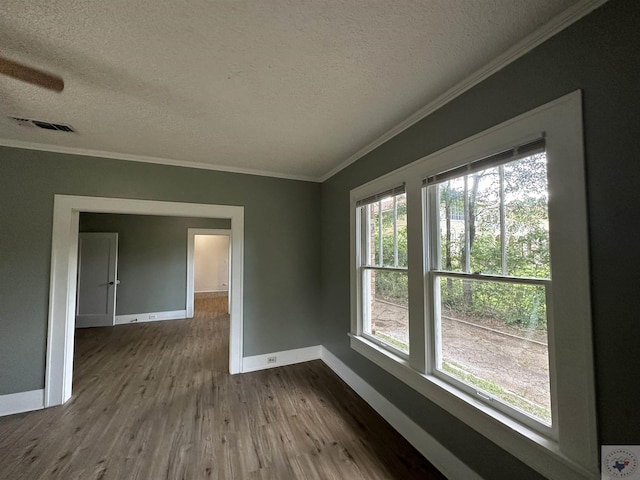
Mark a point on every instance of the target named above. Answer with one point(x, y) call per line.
point(470, 284)
point(383, 244)
point(490, 276)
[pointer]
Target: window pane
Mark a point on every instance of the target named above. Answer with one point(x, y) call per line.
point(495, 221)
point(386, 307)
point(393, 226)
point(452, 225)
point(484, 221)
point(527, 219)
point(373, 226)
point(493, 337)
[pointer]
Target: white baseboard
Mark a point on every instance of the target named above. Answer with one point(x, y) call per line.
point(448, 464)
point(287, 357)
point(150, 317)
point(221, 290)
point(21, 402)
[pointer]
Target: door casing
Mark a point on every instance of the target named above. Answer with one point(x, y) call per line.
point(64, 259)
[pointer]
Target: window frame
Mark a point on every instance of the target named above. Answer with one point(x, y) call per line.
point(364, 266)
point(571, 449)
point(434, 270)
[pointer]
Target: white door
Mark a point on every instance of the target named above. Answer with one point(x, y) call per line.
point(97, 279)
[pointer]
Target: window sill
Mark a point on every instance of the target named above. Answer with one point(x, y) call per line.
point(541, 453)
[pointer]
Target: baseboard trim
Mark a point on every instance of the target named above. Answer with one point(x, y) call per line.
point(448, 464)
point(21, 402)
point(150, 317)
point(212, 291)
point(286, 357)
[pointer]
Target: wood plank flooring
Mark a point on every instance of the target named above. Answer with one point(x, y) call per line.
point(155, 401)
point(211, 304)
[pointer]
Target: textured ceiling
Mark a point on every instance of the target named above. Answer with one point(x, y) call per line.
point(282, 87)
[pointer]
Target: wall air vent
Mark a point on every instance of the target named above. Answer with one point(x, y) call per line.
point(28, 122)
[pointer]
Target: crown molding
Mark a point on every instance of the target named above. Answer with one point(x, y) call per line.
point(551, 28)
point(148, 159)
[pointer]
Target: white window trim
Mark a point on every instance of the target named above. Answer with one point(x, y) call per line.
point(431, 206)
point(363, 313)
point(573, 454)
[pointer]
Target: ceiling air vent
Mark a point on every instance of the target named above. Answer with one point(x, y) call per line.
point(28, 122)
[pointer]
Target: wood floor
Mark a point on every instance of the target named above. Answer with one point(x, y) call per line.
point(210, 304)
point(155, 401)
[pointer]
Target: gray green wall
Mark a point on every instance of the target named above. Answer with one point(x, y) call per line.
point(282, 247)
point(152, 258)
point(600, 55)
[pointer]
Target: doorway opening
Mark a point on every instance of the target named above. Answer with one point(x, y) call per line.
point(209, 270)
point(63, 285)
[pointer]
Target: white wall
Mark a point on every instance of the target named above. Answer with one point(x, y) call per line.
point(211, 263)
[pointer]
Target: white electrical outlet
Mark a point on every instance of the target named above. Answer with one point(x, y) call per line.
point(272, 359)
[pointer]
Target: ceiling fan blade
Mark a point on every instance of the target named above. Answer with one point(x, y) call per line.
point(31, 75)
